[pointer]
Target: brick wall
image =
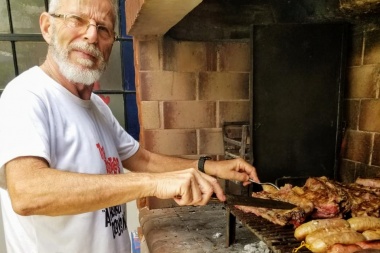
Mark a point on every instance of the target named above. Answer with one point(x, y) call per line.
point(361, 146)
point(186, 90)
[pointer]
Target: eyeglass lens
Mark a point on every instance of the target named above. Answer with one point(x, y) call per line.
point(76, 22)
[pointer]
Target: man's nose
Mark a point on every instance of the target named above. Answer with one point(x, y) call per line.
point(92, 33)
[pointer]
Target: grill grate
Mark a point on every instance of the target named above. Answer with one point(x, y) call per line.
point(279, 239)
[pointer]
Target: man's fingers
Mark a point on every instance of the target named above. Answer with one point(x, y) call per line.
point(192, 189)
point(205, 188)
point(219, 191)
point(215, 188)
point(195, 188)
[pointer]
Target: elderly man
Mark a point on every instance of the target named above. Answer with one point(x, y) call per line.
point(62, 151)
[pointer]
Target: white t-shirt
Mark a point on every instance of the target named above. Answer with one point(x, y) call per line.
point(39, 117)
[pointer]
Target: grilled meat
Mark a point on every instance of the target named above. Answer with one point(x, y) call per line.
point(370, 182)
point(344, 248)
point(319, 198)
point(287, 194)
point(365, 200)
point(295, 216)
point(363, 246)
point(330, 200)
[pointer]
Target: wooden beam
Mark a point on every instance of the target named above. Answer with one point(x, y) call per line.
point(155, 17)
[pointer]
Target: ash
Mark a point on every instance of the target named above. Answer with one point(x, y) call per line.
point(257, 247)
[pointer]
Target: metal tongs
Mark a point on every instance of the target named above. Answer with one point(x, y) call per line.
point(265, 183)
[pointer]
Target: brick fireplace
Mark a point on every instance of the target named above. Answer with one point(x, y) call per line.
point(192, 73)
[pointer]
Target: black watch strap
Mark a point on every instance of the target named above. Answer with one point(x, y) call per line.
point(201, 163)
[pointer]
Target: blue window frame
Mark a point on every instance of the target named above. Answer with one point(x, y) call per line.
point(128, 70)
point(21, 47)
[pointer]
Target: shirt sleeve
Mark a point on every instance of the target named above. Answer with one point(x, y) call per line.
point(24, 127)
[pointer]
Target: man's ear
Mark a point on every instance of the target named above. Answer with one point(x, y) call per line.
point(45, 26)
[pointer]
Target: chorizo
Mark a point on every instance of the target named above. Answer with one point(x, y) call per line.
point(306, 228)
point(374, 244)
point(343, 248)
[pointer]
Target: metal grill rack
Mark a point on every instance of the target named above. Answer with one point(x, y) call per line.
point(279, 239)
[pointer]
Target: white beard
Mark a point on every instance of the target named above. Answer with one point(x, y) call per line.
point(71, 71)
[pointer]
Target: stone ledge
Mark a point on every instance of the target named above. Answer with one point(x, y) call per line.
point(191, 229)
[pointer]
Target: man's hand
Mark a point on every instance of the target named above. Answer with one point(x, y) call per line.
point(187, 187)
point(234, 169)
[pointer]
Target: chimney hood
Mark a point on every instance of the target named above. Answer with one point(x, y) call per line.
point(152, 18)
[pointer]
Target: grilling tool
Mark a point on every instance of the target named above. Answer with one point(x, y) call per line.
point(265, 183)
point(257, 202)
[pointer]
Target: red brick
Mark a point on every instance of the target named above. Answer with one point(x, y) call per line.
point(189, 114)
point(358, 146)
point(347, 171)
point(171, 142)
point(372, 47)
point(211, 56)
point(369, 115)
point(234, 111)
point(234, 56)
point(355, 54)
point(211, 141)
point(223, 86)
point(376, 149)
point(367, 171)
point(362, 81)
point(167, 85)
point(372, 171)
point(352, 113)
point(184, 56)
point(149, 52)
point(150, 115)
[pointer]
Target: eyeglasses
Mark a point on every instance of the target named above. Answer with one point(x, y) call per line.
point(82, 24)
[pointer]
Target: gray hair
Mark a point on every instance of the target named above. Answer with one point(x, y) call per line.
point(54, 5)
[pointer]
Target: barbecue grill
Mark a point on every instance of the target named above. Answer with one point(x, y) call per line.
point(296, 125)
point(279, 239)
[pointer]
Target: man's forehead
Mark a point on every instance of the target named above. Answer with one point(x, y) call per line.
point(100, 9)
point(88, 5)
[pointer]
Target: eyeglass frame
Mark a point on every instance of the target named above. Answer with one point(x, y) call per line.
point(64, 16)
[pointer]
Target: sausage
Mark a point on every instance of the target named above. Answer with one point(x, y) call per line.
point(321, 245)
point(375, 244)
point(371, 235)
point(368, 251)
point(306, 228)
point(343, 248)
point(364, 223)
point(326, 232)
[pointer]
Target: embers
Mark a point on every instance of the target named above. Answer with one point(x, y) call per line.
point(280, 239)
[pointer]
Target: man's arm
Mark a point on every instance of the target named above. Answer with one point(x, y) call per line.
point(36, 189)
point(146, 161)
point(234, 169)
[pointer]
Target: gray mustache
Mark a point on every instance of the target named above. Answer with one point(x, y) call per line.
point(88, 48)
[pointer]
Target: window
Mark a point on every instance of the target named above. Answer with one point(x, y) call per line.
point(22, 46)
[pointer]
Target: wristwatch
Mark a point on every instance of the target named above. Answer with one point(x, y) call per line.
point(201, 163)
